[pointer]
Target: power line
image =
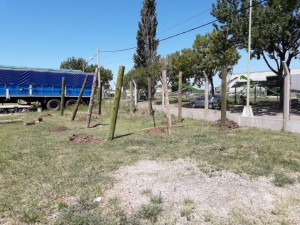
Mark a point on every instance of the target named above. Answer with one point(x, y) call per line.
point(184, 32)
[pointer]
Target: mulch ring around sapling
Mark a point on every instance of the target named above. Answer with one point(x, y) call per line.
point(84, 138)
point(59, 129)
point(229, 124)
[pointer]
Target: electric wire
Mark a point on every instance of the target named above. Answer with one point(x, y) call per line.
point(186, 31)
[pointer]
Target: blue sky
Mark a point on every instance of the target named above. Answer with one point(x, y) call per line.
point(43, 33)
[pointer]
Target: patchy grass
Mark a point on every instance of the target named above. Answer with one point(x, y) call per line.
point(45, 179)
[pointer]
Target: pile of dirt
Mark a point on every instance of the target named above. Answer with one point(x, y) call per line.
point(60, 129)
point(84, 138)
point(229, 124)
point(156, 130)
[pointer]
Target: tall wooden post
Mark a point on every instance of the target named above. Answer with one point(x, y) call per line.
point(131, 98)
point(286, 103)
point(116, 103)
point(100, 97)
point(79, 98)
point(62, 101)
point(180, 97)
point(168, 115)
point(206, 95)
point(223, 98)
point(150, 109)
point(92, 97)
point(163, 96)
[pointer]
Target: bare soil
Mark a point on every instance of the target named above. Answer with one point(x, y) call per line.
point(60, 129)
point(214, 197)
point(156, 130)
point(229, 124)
point(84, 138)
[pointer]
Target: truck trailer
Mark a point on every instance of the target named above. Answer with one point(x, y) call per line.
point(43, 86)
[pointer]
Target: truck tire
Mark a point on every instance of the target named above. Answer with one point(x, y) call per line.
point(71, 102)
point(53, 104)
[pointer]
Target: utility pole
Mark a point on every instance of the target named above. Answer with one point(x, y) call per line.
point(247, 111)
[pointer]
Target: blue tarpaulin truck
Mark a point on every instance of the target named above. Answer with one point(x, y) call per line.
point(42, 86)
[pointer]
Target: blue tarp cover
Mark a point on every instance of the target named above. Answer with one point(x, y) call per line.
point(11, 76)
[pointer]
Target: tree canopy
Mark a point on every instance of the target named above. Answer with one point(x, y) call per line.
point(275, 28)
point(73, 63)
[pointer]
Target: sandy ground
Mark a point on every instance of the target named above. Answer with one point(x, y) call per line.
point(216, 197)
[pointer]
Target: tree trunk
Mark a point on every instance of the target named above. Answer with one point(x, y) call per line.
point(223, 98)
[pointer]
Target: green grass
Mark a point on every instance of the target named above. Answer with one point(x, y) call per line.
point(41, 172)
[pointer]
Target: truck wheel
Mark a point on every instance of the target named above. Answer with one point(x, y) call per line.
point(210, 106)
point(71, 102)
point(193, 105)
point(53, 104)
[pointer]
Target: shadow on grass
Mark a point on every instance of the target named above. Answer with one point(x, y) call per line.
point(124, 135)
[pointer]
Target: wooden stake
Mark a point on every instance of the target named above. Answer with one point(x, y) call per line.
point(91, 103)
point(79, 98)
point(100, 98)
point(62, 101)
point(116, 103)
point(169, 121)
point(180, 97)
point(223, 98)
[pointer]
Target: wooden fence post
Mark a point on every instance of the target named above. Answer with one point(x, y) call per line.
point(91, 103)
point(223, 98)
point(179, 97)
point(79, 98)
point(286, 106)
point(116, 103)
point(169, 121)
point(62, 100)
point(100, 98)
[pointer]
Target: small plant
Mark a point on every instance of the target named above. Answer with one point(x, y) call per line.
point(186, 212)
point(149, 212)
point(62, 205)
point(281, 179)
point(156, 199)
point(188, 201)
point(31, 217)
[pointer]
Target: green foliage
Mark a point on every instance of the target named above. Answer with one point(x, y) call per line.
point(275, 28)
point(146, 36)
point(149, 212)
point(73, 63)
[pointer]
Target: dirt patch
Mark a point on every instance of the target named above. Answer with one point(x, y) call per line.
point(229, 124)
point(84, 138)
point(59, 129)
point(157, 130)
point(217, 197)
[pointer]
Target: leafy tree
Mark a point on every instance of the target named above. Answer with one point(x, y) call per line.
point(214, 51)
point(73, 63)
point(106, 74)
point(146, 52)
point(275, 29)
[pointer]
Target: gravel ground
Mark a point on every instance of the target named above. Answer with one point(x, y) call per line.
point(190, 196)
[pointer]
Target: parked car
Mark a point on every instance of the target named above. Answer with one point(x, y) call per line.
point(214, 102)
